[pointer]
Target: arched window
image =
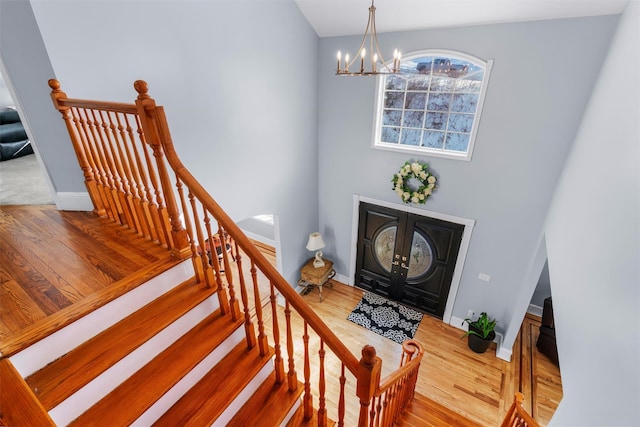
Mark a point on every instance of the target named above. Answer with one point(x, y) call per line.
point(433, 106)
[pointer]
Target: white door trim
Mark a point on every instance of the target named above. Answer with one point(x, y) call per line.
point(462, 252)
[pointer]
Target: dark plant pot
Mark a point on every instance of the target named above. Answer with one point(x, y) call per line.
point(479, 344)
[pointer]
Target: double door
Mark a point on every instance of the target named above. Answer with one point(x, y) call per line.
point(407, 257)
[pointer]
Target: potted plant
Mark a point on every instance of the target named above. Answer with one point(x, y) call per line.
point(481, 332)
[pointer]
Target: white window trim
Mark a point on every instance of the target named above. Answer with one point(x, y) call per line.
point(429, 152)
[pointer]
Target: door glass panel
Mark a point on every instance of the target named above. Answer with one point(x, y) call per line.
point(421, 256)
point(383, 246)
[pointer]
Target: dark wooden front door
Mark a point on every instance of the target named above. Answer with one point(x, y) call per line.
point(407, 257)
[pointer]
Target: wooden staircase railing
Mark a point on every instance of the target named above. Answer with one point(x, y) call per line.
point(115, 144)
point(516, 416)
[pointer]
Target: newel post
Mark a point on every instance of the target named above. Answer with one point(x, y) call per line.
point(150, 115)
point(368, 381)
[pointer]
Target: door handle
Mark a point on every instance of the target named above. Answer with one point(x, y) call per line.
point(404, 266)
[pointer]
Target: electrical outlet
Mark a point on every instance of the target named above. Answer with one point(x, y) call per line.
point(484, 277)
point(470, 314)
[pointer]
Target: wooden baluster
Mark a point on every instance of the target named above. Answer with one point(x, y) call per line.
point(79, 148)
point(196, 259)
point(262, 338)
point(213, 258)
point(136, 143)
point(200, 240)
point(278, 362)
point(368, 379)
point(144, 163)
point(161, 135)
point(249, 330)
point(386, 410)
point(99, 170)
point(372, 412)
point(128, 183)
point(343, 380)
point(307, 399)
point(113, 156)
point(107, 164)
point(292, 376)
point(322, 404)
point(234, 306)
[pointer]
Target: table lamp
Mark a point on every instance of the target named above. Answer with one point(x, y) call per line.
point(314, 244)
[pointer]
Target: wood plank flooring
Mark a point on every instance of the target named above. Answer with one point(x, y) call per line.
point(53, 261)
point(56, 266)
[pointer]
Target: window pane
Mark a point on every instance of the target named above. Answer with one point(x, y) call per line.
point(395, 83)
point(466, 85)
point(433, 139)
point(457, 142)
point(439, 84)
point(411, 137)
point(391, 117)
point(413, 119)
point(419, 83)
point(435, 121)
point(390, 135)
point(439, 101)
point(415, 101)
point(433, 104)
point(393, 99)
point(464, 102)
point(460, 123)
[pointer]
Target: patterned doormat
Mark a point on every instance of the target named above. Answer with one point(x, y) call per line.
point(386, 318)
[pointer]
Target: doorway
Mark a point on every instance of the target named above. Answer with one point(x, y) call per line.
point(407, 257)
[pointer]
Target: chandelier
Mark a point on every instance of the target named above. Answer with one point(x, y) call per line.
point(375, 61)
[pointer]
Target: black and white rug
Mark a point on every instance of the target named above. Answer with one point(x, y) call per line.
point(386, 318)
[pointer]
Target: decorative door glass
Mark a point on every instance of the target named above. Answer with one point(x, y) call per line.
point(421, 256)
point(384, 245)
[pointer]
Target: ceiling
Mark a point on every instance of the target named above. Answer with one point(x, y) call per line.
point(349, 17)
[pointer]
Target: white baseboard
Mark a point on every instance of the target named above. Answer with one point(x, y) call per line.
point(501, 352)
point(66, 201)
point(343, 279)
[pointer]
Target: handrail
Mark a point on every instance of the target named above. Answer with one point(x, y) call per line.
point(403, 370)
point(126, 153)
point(232, 228)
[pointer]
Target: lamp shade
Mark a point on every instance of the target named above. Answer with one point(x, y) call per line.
point(315, 242)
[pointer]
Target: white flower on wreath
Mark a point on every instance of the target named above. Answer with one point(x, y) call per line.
point(413, 171)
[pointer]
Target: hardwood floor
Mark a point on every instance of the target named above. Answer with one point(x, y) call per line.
point(479, 387)
point(57, 266)
point(52, 262)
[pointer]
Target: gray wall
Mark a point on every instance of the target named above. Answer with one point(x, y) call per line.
point(543, 287)
point(26, 63)
point(593, 244)
point(243, 119)
point(541, 81)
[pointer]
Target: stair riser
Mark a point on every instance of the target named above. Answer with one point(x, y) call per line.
point(248, 391)
point(61, 342)
point(189, 380)
point(87, 396)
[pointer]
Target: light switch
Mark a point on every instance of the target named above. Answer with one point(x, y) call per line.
point(484, 277)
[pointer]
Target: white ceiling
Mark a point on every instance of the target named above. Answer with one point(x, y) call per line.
point(349, 17)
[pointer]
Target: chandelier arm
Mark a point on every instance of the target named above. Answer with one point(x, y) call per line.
point(374, 37)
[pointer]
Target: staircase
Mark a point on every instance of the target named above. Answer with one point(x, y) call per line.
point(175, 361)
point(210, 348)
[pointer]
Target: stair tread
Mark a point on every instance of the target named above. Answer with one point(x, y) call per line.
point(268, 406)
point(297, 420)
point(209, 398)
point(66, 375)
point(134, 396)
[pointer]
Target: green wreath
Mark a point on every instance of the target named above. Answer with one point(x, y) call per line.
point(417, 171)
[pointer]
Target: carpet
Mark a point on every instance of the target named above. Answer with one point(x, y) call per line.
point(22, 182)
point(386, 318)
